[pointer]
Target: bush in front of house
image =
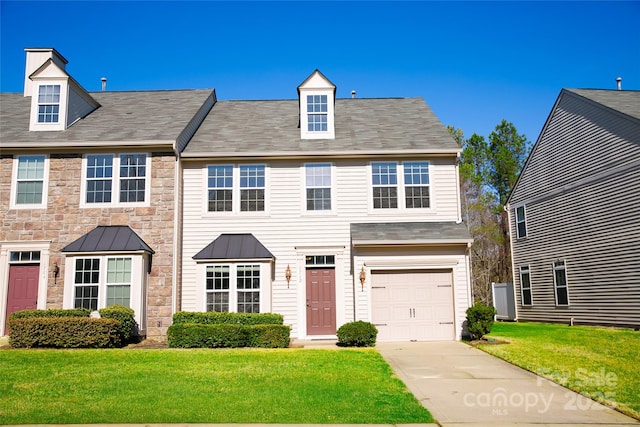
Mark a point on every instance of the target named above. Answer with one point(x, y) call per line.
point(357, 334)
point(480, 320)
point(192, 335)
point(52, 312)
point(269, 336)
point(126, 317)
point(63, 332)
point(216, 318)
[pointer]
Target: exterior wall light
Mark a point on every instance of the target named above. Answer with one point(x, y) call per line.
point(287, 275)
point(56, 271)
point(363, 277)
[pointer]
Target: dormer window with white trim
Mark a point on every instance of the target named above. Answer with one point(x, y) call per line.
point(48, 103)
point(317, 113)
point(317, 97)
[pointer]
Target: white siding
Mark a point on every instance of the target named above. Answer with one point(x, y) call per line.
point(290, 232)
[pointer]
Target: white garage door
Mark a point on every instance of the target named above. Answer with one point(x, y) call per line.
point(413, 305)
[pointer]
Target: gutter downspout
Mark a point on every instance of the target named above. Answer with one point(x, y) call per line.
point(459, 220)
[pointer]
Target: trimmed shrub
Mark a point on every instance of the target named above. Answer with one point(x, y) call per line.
point(191, 335)
point(357, 334)
point(126, 317)
point(216, 318)
point(480, 320)
point(63, 332)
point(269, 336)
point(52, 312)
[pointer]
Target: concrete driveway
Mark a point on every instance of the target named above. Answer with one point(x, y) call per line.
point(463, 386)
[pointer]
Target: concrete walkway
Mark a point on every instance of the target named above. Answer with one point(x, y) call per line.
point(463, 386)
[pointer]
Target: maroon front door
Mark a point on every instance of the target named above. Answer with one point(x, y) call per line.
point(321, 301)
point(23, 288)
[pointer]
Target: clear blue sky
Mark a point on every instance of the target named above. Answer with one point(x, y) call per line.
point(474, 63)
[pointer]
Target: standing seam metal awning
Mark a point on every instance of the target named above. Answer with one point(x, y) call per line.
point(112, 238)
point(234, 246)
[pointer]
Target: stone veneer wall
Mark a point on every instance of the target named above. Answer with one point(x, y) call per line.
point(63, 221)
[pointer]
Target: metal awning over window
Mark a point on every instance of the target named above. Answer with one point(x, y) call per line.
point(234, 246)
point(116, 238)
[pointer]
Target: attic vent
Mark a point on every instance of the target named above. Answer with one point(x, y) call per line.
point(104, 84)
point(619, 81)
point(353, 94)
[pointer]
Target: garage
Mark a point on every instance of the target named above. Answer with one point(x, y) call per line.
point(413, 305)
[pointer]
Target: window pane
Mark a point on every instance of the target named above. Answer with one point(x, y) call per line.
point(48, 103)
point(318, 182)
point(521, 222)
point(417, 197)
point(30, 179)
point(86, 297)
point(99, 178)
point(252, 183)
point(119, 295)
point(217, 286)
point(385, 197)
point(220, 184)
point(133, 169)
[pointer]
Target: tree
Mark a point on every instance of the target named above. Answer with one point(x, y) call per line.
point(488, 170)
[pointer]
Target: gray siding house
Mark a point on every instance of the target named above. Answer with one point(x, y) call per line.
point(575, 213)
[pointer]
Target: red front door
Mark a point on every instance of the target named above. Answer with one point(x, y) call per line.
point(23, 288)
point(321, 301)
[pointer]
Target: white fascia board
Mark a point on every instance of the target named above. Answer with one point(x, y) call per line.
point(75, 145)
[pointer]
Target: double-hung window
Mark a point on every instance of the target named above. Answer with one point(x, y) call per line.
point(49, 104)
point(29, 190)
point(252, 188)
point(102, 282)
point(318, 186)
point(525, 285)
point(116, 179)
point(236, 189)
point(521, 222)
point(560, 282)
point(220, 188)
point(385, 185)
point(317, 113)
point(234, 288)
point(387, 191)
point(416, 184)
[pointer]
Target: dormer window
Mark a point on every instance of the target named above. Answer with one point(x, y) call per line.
point(317, 96)
point(317, 113)
point(49, 104)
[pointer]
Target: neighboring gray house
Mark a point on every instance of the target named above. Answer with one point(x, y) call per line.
point(575, 213)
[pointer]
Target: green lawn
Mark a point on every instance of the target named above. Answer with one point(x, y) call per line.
point(203, 386)
point(599, 362)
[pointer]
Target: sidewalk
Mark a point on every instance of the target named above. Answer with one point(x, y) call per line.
point(463, 386)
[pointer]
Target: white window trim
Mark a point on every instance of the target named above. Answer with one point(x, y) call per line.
point(61, 124)
point(555, 284)
point(303, 180)
point(521, 220)
point(402, 207)
point(14, 185)
point(115, 188)
point(235, 191)
point(528, 271)
point(138, 281)
point(265, 283)
point(304, 119)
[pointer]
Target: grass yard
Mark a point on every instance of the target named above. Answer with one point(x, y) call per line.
point(598, 362)
point(203, 386)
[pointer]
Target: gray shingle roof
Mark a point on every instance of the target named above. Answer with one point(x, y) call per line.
point(624, 101)
point(407, 233)
point(234, 246)
point(362, 126)
point(123, 116)
point(115, 238)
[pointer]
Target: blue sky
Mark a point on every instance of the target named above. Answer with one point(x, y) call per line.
point(474, 63)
